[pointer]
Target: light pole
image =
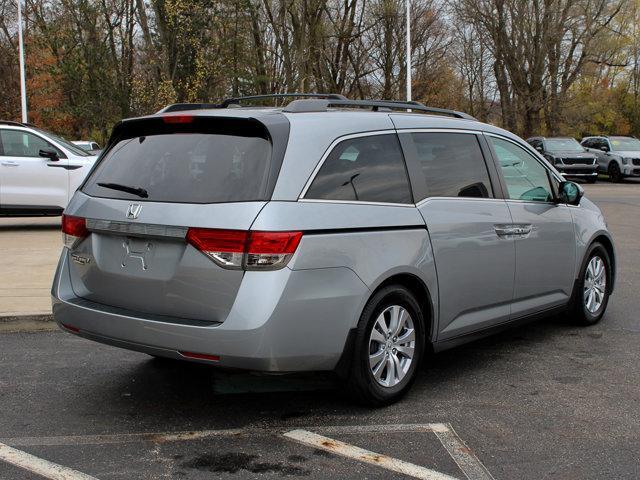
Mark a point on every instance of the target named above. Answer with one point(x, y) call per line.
point(408, 5)
point(23, 87)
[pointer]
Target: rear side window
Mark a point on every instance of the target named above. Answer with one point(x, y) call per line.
point(368, 169)
point(185, 167)
point(16, 143)
point(452, 164)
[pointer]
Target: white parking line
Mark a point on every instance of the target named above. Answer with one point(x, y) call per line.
point(39, 466)
point(366, 456)
point(470, 465)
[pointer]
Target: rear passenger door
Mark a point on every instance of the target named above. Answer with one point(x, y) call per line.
point(545, 245)
point(460, 198)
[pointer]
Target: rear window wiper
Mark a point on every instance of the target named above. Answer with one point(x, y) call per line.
point(139, 191)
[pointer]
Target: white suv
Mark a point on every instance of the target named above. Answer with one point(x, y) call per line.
point(39, 171)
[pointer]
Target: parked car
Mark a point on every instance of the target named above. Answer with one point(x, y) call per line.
point(39, 171)
point(90, 146)
point(619, 157)
point(570, 158)
point(326, 235)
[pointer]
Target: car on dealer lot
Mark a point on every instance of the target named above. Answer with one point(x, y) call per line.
point(570, 158)
point(618, 157)
point(39, 171)
point(331, 234)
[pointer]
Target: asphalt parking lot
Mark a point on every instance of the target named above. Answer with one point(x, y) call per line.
point(545, 401)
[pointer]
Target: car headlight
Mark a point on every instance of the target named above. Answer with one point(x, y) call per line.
point(625, 161)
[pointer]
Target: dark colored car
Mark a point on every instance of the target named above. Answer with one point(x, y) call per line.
point(568, 156)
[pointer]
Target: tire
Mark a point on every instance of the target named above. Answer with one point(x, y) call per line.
point(615, 175)
point(394, 367)
point(582, 313)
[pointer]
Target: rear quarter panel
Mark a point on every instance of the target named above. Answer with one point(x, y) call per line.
point(376, 242)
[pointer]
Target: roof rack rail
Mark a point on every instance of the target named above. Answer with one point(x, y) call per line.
point(227, 102)
point(15, 124)
point(298, 106)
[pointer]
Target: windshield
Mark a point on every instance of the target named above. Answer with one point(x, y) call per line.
point(184, 167)
point(625, 143)
point(67, 144)
point(563, 145)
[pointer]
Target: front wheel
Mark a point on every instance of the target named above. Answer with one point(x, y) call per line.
point(615, 175)
point(592, 295)
point(388, 348)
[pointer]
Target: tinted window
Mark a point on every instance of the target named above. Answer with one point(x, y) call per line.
point(452, 164)
point(367, 169)
point(525, 177)
point(17, 143)
point(563, 145)
point(186, 167)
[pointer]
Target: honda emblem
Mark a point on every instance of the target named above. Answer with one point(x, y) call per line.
point(134, 210)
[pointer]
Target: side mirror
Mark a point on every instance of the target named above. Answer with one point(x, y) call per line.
point(539, 148)
point(604, 148)
point(570, 193)
point(52, 155)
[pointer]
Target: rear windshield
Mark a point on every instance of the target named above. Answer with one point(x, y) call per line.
point(185, 167)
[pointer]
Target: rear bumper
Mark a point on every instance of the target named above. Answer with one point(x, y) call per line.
point(281, 321)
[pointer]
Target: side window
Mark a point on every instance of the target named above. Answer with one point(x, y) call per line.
point(525, 177)
point(369, 169)
point(452, 164)
point(16, 143)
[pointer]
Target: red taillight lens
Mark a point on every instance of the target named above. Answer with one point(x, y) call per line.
point(210, 240)
point(224, 247)
point(177, 119)
point(74, 229)
point(273, 242)
point(237, 249)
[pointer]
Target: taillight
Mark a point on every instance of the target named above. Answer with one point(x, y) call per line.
point(74, 229)
point(236, 249)
point(270, 250)
point(224, 247)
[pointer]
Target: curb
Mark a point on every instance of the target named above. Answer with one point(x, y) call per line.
point(27, 323)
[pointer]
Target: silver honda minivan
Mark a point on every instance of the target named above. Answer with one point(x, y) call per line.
point(329, 234)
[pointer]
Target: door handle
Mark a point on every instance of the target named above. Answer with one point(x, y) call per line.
point(9, 163)
point(513, 229)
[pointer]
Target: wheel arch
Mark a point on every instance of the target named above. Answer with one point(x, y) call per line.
point(419, 289)
point(607, 243)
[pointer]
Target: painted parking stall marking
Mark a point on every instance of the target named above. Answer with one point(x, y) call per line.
point(463, 456)
point(340, 448)
point(39, 466)
point(313, 436)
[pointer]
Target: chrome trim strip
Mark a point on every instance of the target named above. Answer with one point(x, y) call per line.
point(356, 202)
point(477, 199)
point(136, 229)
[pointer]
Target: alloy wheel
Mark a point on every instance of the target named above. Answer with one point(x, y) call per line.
point(392, 344)
point(595, 284)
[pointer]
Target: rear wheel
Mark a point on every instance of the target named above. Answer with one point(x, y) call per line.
point(388, 348)
point(592, 294)
point(615, 175)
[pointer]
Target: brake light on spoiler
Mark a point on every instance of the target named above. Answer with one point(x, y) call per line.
point(247, 250)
